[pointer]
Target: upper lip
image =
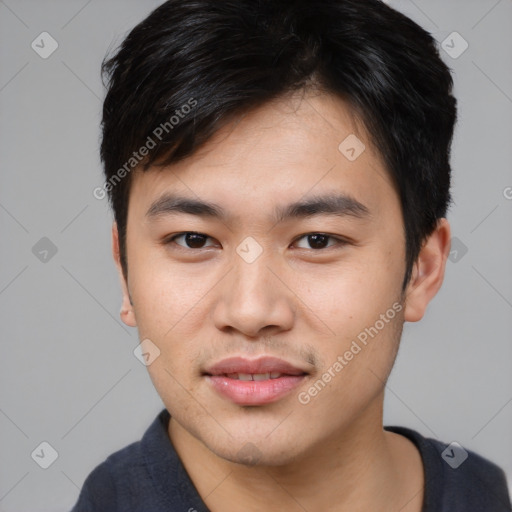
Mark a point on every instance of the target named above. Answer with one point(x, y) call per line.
point(261, 365)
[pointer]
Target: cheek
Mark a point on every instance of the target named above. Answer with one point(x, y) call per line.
point(359, 306)
point(352, 296)
point(170, 306)
point(354, 371)
point(165, 296)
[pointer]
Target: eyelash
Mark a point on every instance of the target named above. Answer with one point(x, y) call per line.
point(171, 240)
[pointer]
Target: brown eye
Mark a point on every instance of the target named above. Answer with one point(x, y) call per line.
point(192, 240)
point(320, 241)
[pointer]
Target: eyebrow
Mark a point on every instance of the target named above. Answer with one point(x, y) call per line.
point(340, 205)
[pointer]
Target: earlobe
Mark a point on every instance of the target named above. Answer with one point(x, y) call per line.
point(428, 272)
point(127, 313)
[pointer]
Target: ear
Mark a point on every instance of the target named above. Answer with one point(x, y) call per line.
point(428, 272)
point(127, 314)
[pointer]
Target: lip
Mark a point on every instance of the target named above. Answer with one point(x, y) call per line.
point(265, 364)
point(254, 392)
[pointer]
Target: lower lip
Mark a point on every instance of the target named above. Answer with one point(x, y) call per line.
point(254, 392)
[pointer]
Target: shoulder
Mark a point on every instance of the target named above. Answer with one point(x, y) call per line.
point(458, 479)
point(124, 481)
point(109, 480)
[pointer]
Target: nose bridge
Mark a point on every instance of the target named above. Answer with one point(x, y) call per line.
point(251, 275)
point(252, 297)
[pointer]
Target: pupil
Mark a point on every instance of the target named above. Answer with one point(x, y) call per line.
point(314, 241)
point(194, 240)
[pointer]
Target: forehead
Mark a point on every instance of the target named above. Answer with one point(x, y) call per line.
point(295, 145)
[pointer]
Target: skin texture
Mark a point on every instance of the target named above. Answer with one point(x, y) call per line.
point(295, 301)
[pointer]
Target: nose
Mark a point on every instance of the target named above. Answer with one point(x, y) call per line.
point(255, 298)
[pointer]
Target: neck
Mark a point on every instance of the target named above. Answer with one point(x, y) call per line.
point(361, 467)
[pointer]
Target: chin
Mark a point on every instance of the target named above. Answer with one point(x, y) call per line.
point(256, 450)
point(251, 456)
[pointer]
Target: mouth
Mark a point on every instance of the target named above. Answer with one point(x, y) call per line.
point(254, 382)
point(255, 376)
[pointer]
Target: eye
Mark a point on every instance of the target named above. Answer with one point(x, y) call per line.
point(195, 240)
point(319, 240)
point(192, 240)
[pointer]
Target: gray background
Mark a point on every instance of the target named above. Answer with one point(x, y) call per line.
point(68, 375)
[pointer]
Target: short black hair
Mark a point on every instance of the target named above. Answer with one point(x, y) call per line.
point(193, 65)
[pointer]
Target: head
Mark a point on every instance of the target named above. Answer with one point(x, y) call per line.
point(309, 145)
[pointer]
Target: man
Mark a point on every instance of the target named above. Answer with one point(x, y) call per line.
point(279, 174)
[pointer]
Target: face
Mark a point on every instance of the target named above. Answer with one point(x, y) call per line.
point(316, 286)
